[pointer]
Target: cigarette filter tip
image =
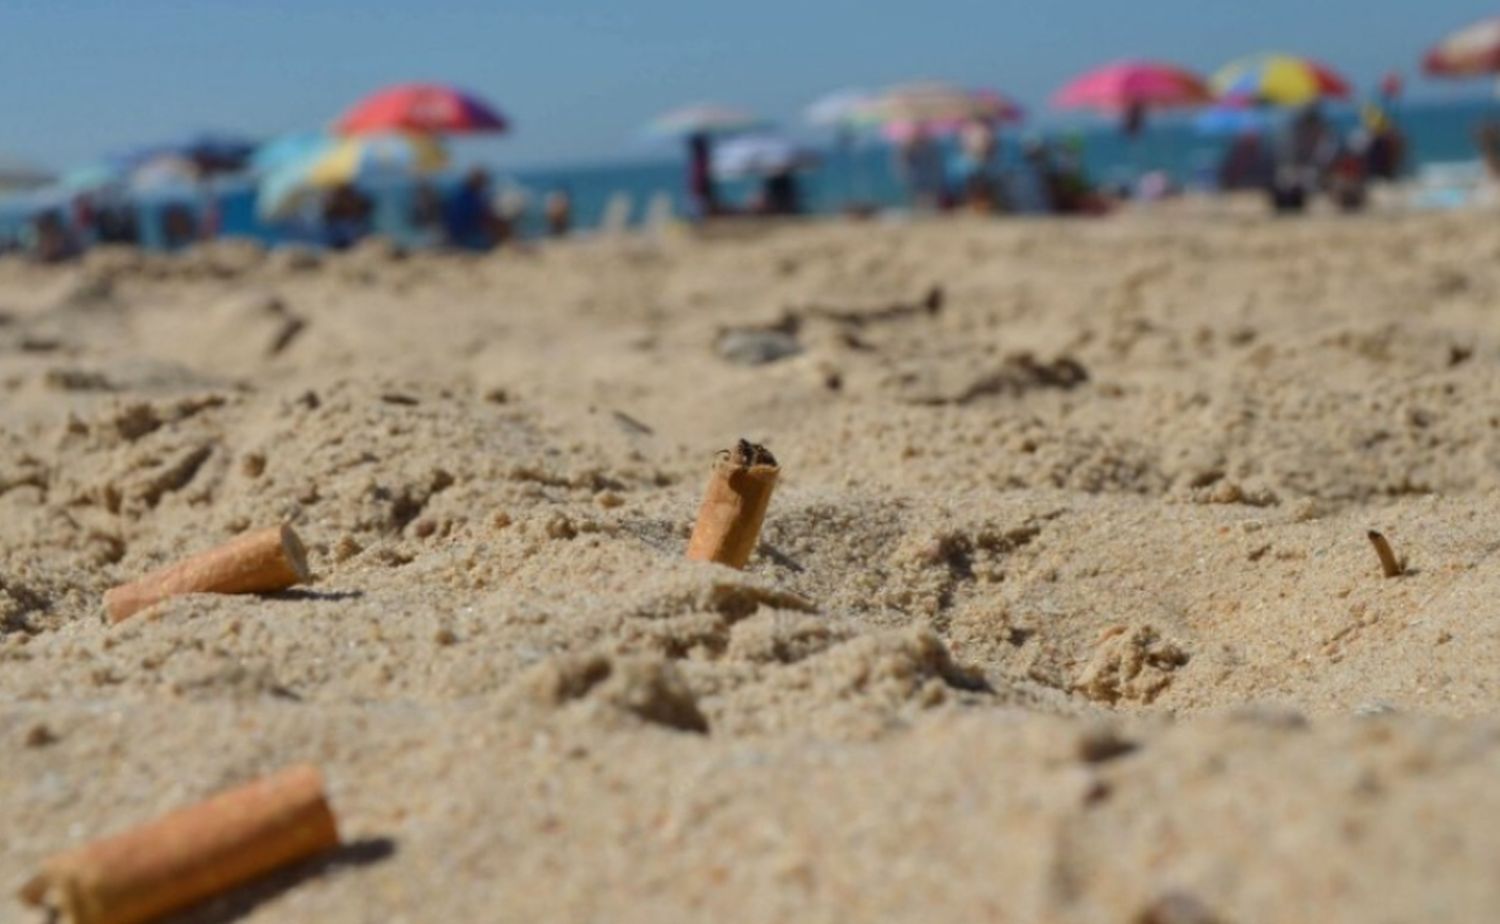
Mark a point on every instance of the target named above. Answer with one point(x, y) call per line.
point(734, 506)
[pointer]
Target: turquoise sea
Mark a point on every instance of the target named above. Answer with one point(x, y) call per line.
point(1437, 132)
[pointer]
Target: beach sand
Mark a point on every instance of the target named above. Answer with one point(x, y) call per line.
point(1064, 608)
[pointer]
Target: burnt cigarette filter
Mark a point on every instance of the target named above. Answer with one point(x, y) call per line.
point(191, 854)
point(734, 506)
point(1390, 565)
point(263, 561)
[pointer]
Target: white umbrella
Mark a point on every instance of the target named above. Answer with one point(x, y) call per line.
point(761, 155)
point(839, 109)
point(166, 173)
point(702, 119)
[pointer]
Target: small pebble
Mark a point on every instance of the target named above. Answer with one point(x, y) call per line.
point(39, 736)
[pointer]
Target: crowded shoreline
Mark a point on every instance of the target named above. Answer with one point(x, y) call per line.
point(867, 154)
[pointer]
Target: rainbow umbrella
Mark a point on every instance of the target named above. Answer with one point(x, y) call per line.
point(941, 107)
point(427, 108)
point(1278, 80)
point(1470, 52)
point(1126, 85)
point(360, 159)
point(703, 119)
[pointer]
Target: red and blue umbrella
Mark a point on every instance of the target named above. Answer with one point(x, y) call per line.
point(424, 108)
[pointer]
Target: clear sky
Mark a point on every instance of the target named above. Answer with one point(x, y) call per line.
point(80, 77)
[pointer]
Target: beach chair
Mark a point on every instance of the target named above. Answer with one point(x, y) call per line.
point(616, 218)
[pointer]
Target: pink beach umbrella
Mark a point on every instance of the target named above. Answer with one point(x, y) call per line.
point(1127, 85)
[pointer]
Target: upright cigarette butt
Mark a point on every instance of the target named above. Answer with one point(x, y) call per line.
point(1389, 563)
point(190, 854)
point(259, 562)
point(734, 506)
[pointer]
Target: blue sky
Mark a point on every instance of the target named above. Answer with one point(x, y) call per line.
point(79, 77)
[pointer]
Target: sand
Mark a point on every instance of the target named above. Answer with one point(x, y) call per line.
point(1064, 608)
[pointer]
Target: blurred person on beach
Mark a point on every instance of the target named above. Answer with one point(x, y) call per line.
point(1380, 143)
point(1346, 180)
point(85, 221)
point(1304, 153)
point(51, 242)
point(469, 219)
point(979, 182)
point(703, 191)
point(558, 212)
point(179, 226)
point(1133, 122)
point(115, 222)
point(919, 164)
point(427, 215)
point(1069, 188)
point(1487, 139)
point(1247, 163)
point(347, 216)
point(1029, 188)
point(780, 194)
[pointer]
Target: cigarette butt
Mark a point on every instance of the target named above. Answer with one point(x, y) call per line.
point(734, 506)
point(259, 562)
point(190, 854)
point(1389, 563)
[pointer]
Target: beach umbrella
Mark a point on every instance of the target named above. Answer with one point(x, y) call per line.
point(1278, 80)
point(427, 108)
point(213, 153)
point(841, 109)
point(703, 119)
point(1126, 85)
point(1470, 52)
point(288, 149)
point(1229, 120)
point(360, 159)
point(19, 176)
point(761, 155)
point(95, 177)
point(168, 171)
point(941, 106)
